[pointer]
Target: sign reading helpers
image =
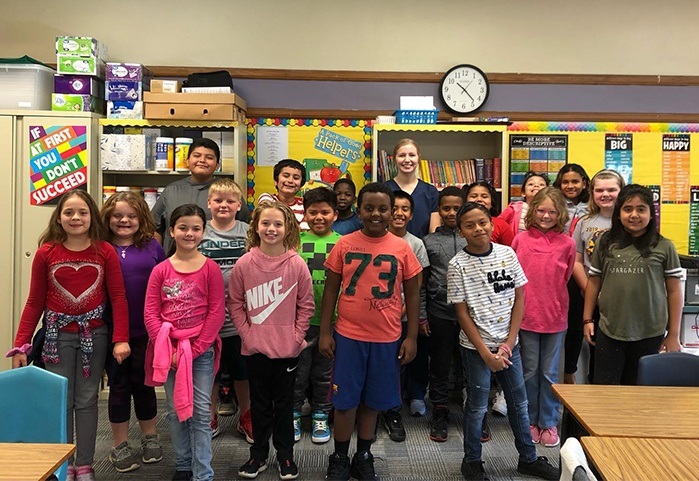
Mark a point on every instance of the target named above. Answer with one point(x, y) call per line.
point(58, 161)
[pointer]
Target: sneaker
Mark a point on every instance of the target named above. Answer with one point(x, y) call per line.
point(226, 404)
point(183, 476)
point(321, 430)
point(362, 467)
point(438, 426)
point(297, 426)
point(393, 421)
point(549, 437)
point(124, 458)
point(245, 426)
point(535, 432)
point(70, 475)
point(485, 431)
point(540, 468)
point(152, 450)
point(418, 408)
point(215, 428)
point(499, 404)
point(84, 473)
point(252, 468)
point(338, 467)
point(473, 470)
point(288, 469)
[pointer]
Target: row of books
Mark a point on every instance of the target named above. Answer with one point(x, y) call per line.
point(441, 173)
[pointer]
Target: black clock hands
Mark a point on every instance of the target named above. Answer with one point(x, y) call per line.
point(465, 91)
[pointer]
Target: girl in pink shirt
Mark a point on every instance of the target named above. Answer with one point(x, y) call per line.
point(271, 302)
point(183, 315)
point(547, 255)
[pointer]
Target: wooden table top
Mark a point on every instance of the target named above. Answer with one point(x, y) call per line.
point(31, 461)
point(643, 459)
point(633, 411)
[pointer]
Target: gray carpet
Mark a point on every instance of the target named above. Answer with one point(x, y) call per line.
point(417, 458)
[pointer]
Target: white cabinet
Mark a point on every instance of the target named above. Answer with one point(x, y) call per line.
point(445, 142)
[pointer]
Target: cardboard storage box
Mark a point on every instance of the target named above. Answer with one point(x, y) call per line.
point(227, 107)
point(25, 86)
point(124, 152)
point(165, 86)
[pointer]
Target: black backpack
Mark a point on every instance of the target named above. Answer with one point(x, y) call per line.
point(220, 78)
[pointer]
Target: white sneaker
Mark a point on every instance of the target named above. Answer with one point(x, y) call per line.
point(499, 404)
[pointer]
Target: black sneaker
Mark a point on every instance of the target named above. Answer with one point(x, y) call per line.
point(540, 468)
point(394, 425)
point(438, 426)
point(338, 467)
point(182, 476)
point(363, 466)
point(252, 468)
point(288, 469)
point(474, 470)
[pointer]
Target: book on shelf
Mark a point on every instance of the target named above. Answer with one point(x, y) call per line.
point(480, 169)
point(497, 173)
point(488, 171)
point(442, 173)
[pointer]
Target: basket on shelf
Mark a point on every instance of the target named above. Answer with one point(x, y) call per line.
point(416, 116)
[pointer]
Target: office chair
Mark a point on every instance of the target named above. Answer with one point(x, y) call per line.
point(669, 369)
point(33, 408)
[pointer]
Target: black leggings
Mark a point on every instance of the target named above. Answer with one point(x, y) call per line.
point(617, 361)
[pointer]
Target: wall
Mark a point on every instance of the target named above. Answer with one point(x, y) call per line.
point(638, 37)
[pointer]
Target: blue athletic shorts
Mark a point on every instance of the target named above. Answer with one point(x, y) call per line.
point(367, 372)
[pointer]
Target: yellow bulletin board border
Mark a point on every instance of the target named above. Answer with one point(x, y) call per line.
point(602, 127)
point(251, 123)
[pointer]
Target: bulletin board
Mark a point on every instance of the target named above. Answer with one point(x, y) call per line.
point(661, 156)
point(330, 149)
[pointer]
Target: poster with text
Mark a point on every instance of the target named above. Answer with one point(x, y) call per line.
point(694, 221)
point(540, 153)
point(58, 161)
point(656, 191)
point(618, 154)
point(675, 168)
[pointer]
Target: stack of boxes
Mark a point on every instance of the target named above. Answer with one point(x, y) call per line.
point(80, 62)
point(124, 90)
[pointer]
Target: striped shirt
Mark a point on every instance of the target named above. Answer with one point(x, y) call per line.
point(486, 283)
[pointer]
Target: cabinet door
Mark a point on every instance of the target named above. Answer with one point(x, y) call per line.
point(7, 318)
point(32, 220)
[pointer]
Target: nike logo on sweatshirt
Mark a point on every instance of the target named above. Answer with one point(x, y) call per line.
point(269, 293)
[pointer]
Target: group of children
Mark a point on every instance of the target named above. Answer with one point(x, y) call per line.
point(346, 308)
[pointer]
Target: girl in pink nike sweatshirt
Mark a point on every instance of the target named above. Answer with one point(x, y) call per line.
point(270, 303)
point(183, 314)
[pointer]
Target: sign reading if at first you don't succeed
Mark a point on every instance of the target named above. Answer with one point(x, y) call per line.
point(58, 161)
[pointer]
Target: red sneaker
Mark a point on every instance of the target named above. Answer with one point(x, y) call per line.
point(536, 433)
point(549, 437)
point(245, 426)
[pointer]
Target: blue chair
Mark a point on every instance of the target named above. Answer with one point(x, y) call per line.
point(669, 369)
point(33, 408)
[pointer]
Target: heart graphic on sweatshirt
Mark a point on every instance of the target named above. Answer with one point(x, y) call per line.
point(89, 274)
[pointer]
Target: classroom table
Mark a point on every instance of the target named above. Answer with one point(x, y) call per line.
point(31, 461)
point(629, 411)
point(643, 459)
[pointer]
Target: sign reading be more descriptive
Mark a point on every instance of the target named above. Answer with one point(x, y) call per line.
point(58, 161)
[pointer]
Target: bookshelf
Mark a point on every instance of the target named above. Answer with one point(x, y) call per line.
point(450, 151)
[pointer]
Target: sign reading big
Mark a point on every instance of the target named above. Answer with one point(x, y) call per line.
point(58, 161)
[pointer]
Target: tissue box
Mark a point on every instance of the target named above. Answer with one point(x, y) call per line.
point(74, 65)
point(122, 90)
point(133, 72)
point(124, 152)
point(76, 103)
point(77, 84)
point(83, 46)
point(125, 109)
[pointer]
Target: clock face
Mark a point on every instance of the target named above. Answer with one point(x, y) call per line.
point(464, 89)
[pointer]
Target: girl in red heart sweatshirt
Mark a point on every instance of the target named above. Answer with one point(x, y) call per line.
point(74, 272)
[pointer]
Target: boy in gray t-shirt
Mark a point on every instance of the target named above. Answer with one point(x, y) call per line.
point(224, 242)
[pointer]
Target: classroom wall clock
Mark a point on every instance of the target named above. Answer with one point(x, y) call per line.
point(464, 89)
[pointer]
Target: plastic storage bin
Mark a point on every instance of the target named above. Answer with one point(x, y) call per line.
point(416, 116)
point(25, 86)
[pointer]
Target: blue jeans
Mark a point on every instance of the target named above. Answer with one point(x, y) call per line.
point(540, 355)
point(512, 383)
point(191, 439)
